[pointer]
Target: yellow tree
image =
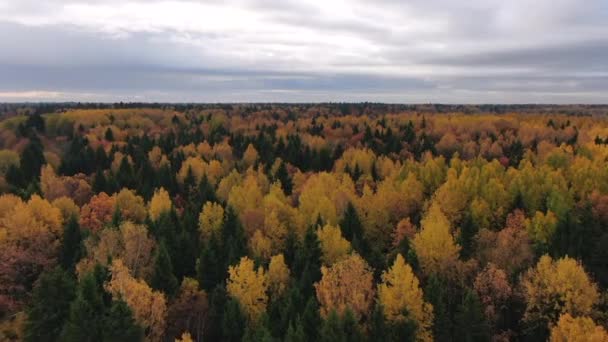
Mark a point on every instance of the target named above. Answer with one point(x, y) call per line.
point(579, 329)
point(434, 245)
point(149, 307)
point(250, 156)
point(333, 245)
point(348, 284)
point(277, 276)
point(248, 286)
point(556, 287)
point(160, 203)
point(400, 290)
point(541, 227)
point(210, 220)
point(131, 206)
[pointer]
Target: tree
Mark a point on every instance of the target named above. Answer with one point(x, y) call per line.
point(160, 203)
point(399, 291)
point(348, 284)
point(50, 305)
point(555, 287)
point(148, 306)
point(189, 311)
point(248, 286)
point(378, 326)
point(494, 291)
point(119, 324)
point(85, 321)
point(163, 278)
point(332, 331)
point(71, 244)
point(579, 329)
point(307, 265)
point(295, 332)
point(434, 245)
point(234, 321)
point(333, 245)
point(471, 324)
point(277, 277)
point(131, 206)
point(210, 220)
point(97, 212)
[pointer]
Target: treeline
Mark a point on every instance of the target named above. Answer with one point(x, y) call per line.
point(298, 223)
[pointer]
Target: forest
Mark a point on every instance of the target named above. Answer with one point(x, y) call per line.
point(303, 222)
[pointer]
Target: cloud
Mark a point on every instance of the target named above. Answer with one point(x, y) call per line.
point(266, 50)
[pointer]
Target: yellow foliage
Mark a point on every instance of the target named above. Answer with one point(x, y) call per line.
point(160, 203)
point(400, 290)
point(248, 286)
point(333, 245)
point(67, 207)
point(149, 307)
point(185, 338)
point(131, 206)
point(277, 276)
point(260, 245)
point(557, 287)
point(347, 284)
point(250, 156)
point(434, 245)
point(580, 329)
point(210, 220)
point(541, 227)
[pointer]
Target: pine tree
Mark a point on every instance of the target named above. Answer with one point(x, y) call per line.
point(351, 328)
point(378, 327)
point(258, 332)
point(233, 238)
point(283, 176)
point(109, 135)
point(71, 245)
point(332, 331)
point(308, 263)
point(119, 324)
point(32, 159)
point(435, 294)
point(233, 322)
point(210, 269)
point(50, 305)
point(471, 324)
point(311, 321)
point(295, 332)
point(85, 322)
point(163, 278)
point(99, 182)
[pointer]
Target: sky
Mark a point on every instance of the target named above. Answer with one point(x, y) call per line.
point(395, 51)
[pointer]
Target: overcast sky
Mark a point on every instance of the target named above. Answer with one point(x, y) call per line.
point(398, 51)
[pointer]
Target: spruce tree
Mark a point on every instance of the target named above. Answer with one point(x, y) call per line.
point(295, 332)
point(378, 327)
point(283, 176)
point(233, 322)
point(350, 326)
point(163, 278)
point(311, 321)
point(435, 294)
point(119, 324)
point(85, 322)
point(50, 305)
point(471, 324)
point(71, 244)
point(234, 241)
point(331, 330)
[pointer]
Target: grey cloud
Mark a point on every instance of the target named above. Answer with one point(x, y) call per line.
point(480, 51)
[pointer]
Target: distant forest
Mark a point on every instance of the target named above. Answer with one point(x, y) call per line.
point(303, 222)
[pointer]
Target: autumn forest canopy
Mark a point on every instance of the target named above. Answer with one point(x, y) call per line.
point(303, 222)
